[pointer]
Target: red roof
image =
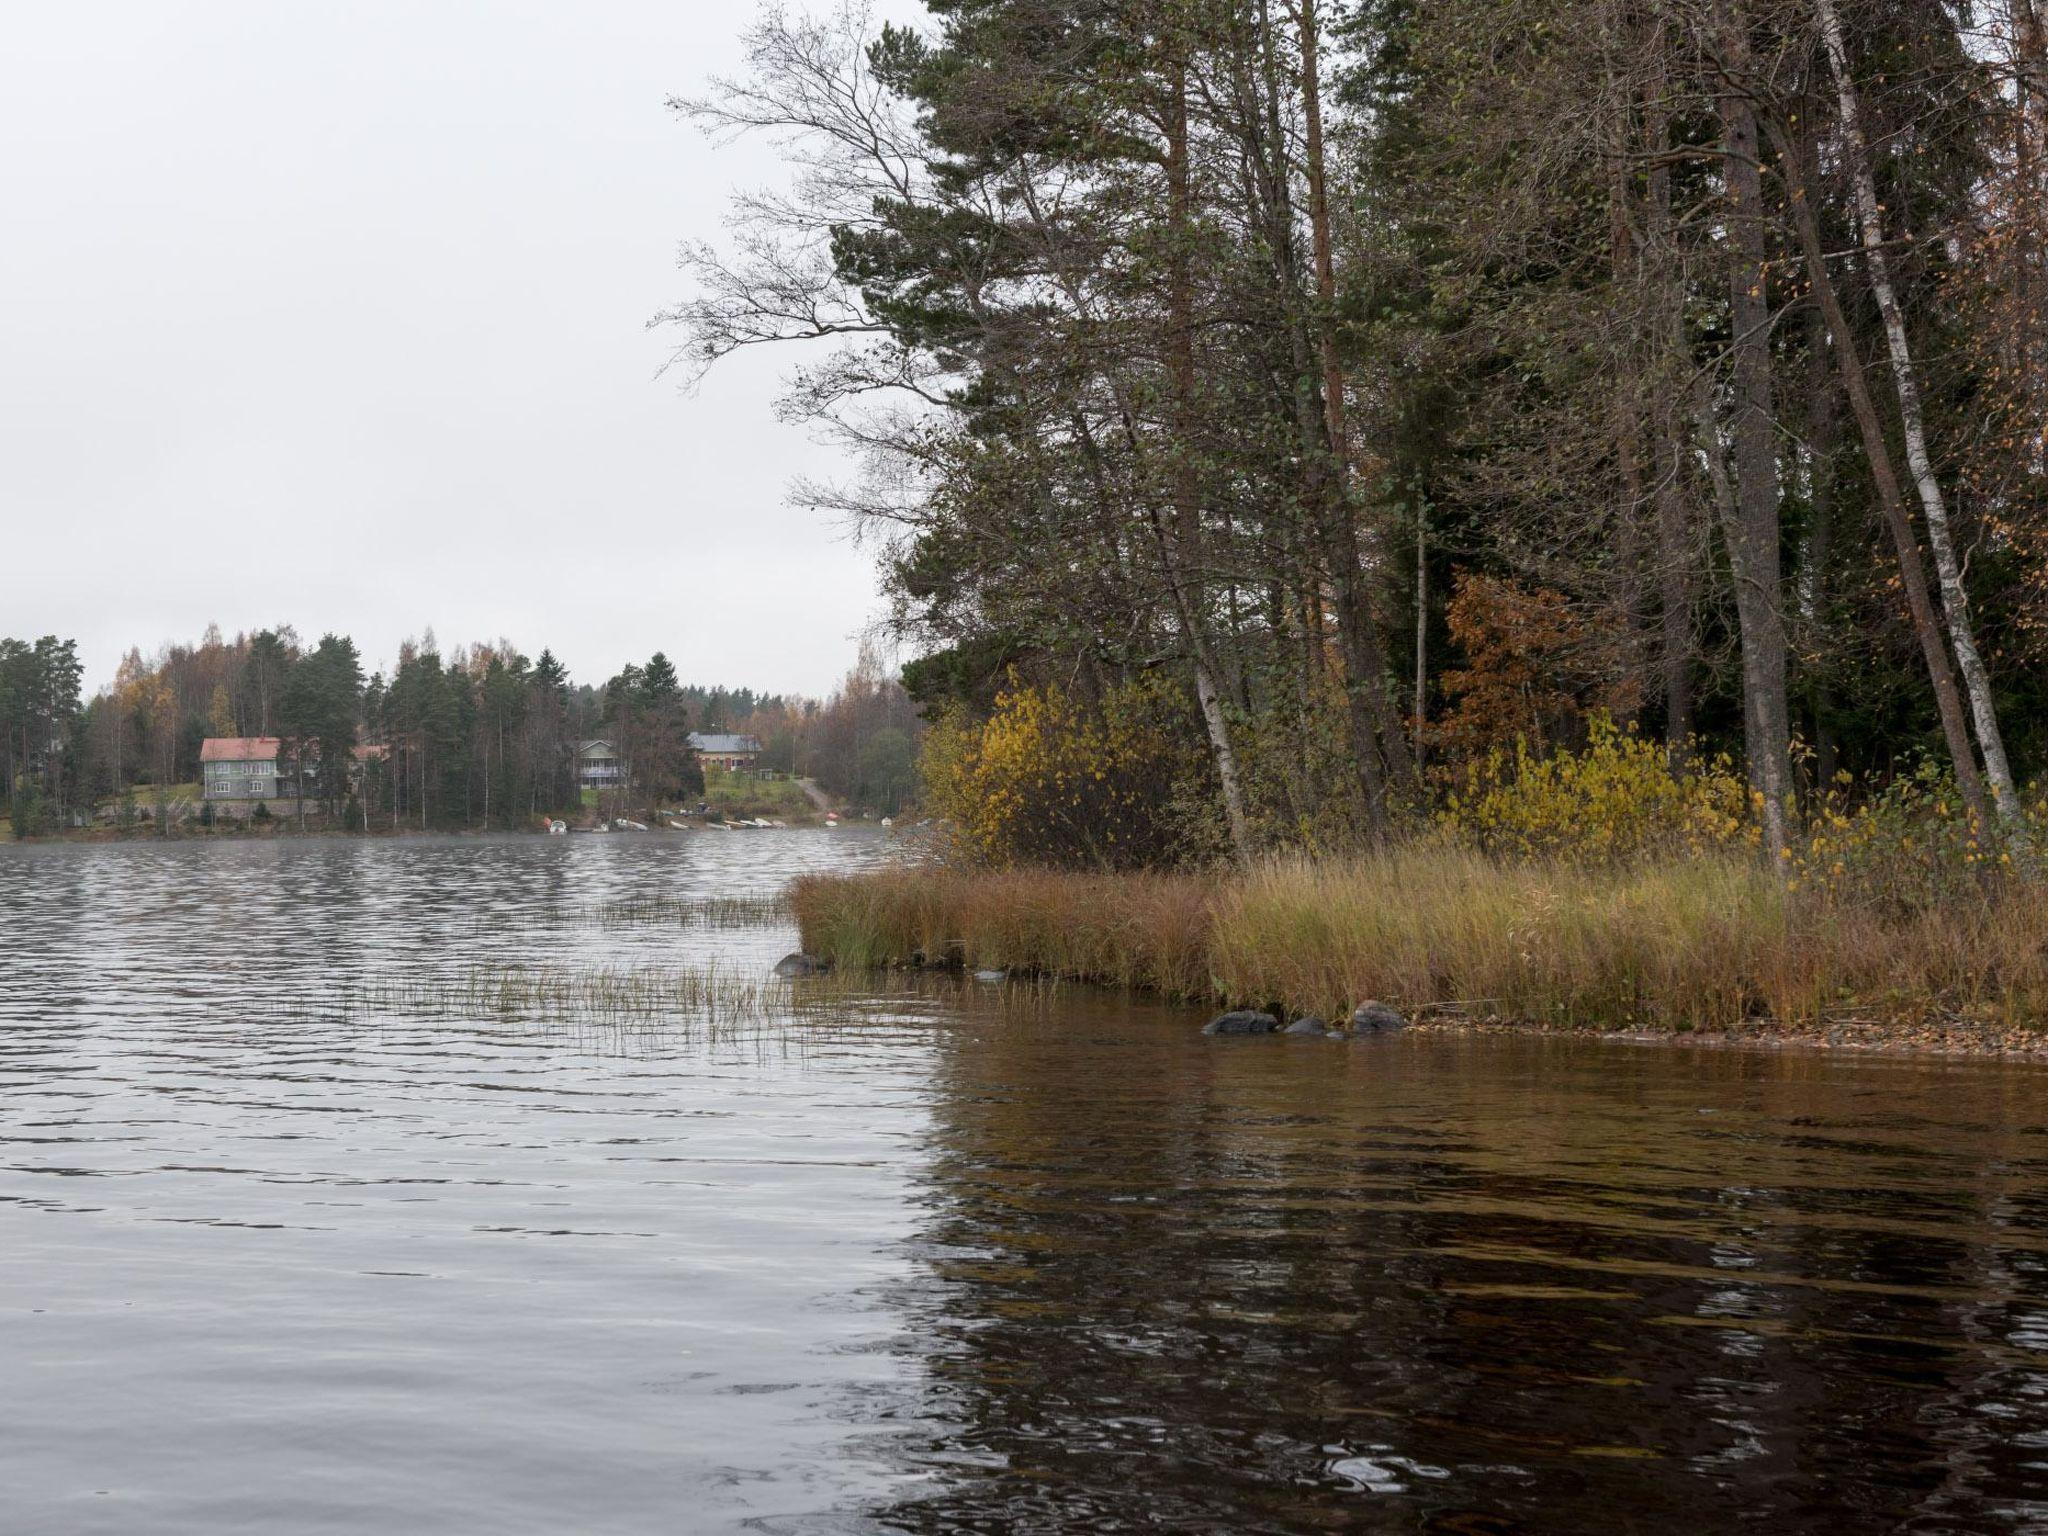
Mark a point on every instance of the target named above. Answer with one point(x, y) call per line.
point(264, 749)
point(238, 749)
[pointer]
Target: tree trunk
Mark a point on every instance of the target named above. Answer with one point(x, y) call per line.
point(1365, 653)
point(1753, 532)
point(1421, 622)
point(1878, 455)
point(1673, 511)
point(1217, 723)
point(1823, 429)
point(1179, 550)
point(1626, 273)
point(1955, 600)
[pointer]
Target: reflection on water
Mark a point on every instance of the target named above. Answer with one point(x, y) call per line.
point(939, 1259)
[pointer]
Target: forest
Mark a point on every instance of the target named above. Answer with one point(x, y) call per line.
point(1288, 423)
point(476, 737)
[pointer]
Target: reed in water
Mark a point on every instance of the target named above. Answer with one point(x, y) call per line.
point(578, 994)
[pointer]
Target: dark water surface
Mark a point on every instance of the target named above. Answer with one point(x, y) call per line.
point(287, 1247)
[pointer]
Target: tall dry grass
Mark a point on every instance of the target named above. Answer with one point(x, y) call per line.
point(1697, 943)
point(1677, 944)
point(1137, 930)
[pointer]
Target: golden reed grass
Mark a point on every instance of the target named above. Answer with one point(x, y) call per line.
point(1697, 943)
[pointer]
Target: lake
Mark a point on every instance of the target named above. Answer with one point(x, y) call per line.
point(488, 1185)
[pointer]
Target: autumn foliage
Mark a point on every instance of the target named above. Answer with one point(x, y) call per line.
point(1533, 669)
point(1051, 779)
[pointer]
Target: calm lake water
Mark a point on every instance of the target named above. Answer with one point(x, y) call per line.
point(296, 1236)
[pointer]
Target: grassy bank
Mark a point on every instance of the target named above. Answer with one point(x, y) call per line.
point(1698, 944)
point(737, 796)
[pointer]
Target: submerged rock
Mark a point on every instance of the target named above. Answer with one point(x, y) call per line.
point(801, 965)
point(1241, 1021)
point(1310, 1025)
point(1375, 1018)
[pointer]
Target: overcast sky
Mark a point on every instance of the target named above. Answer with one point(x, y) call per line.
point(335, 315)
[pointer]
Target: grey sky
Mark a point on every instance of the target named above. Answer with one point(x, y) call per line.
point(334, 315)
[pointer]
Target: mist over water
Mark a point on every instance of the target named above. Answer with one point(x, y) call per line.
point(288, 1242)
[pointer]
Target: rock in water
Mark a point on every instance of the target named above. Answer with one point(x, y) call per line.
point(1307, 1026)
point(1241, 1021)
point(1373, 1018)
point(801, 965)
point(990, 975)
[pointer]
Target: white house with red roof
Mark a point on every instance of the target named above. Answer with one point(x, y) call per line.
point(242, 769)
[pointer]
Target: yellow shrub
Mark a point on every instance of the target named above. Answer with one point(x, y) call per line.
point(1617, 797)
point(1048, 780)
point(1912, 846)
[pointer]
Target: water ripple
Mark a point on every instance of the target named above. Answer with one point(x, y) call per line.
point(310, 1222)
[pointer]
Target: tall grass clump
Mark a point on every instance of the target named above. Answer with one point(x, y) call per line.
point(1142, 930)
point(1540, 940)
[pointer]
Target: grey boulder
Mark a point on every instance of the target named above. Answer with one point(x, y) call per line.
point(801, 965)
point(1241, 1021)
point(1373, 1018)
point(1307, 1026)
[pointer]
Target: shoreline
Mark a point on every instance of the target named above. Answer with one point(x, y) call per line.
point(1710, 953)
point(1950, 1040)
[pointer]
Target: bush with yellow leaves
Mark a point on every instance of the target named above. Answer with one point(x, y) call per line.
point(1048, 779)
point(1618, 797)
point(1911, 847)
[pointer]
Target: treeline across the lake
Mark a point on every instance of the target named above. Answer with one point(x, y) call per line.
point(475, 736)
point(1297, 406)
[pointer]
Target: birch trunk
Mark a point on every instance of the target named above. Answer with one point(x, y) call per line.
point(1955, 599)
point(1179, 549)
point(1218, 725)
point(1878, 455)
point(1823, 435)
